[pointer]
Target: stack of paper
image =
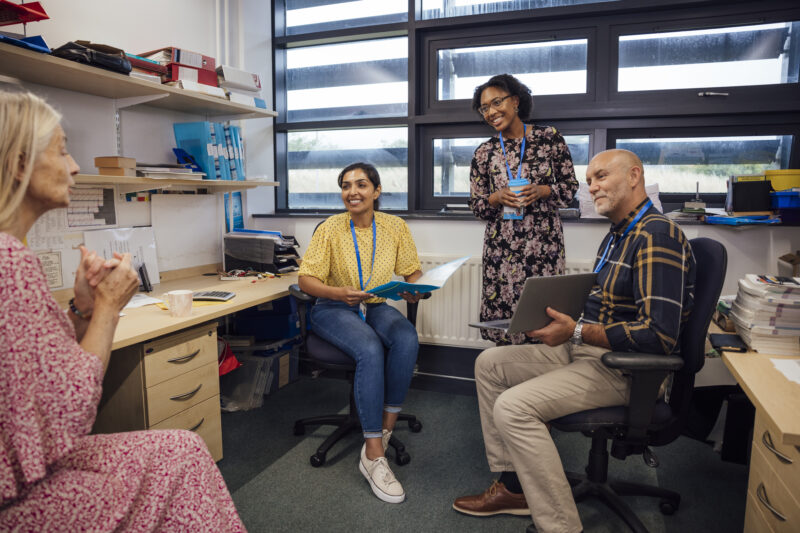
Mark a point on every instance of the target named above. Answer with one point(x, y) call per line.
point(766, 314)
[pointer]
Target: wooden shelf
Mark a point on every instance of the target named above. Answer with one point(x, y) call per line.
point(45, 69)
point(128, 184)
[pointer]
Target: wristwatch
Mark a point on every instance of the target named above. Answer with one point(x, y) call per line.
point(577, 334)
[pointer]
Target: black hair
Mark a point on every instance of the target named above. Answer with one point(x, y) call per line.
point(512, 86)
point(369, 170)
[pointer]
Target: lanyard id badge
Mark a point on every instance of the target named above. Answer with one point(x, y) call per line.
point(517, 183)
point(362, 307)
point(610, 245)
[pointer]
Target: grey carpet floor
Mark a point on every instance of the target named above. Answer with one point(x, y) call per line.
point(275, 488)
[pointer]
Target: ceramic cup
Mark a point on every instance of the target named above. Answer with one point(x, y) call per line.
point(179, 302)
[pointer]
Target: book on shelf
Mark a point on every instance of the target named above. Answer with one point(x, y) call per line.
point(145, 76)
point(115, 161)
point(246, 99)
point(146, 65)
point(193, 86)
point(115, 171)
point(231, 77)
point(165, 174)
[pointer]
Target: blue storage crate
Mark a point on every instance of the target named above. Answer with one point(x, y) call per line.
point(785, 199)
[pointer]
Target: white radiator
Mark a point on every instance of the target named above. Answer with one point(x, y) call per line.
point(443, 318)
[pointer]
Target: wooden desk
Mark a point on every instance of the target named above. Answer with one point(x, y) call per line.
point(775, 453)
point(163, 370)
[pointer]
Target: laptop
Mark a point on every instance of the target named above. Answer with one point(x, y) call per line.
point(566, 294)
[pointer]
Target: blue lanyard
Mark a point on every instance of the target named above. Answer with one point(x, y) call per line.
point(610, 244)
point(358, 256)
point(521, 154)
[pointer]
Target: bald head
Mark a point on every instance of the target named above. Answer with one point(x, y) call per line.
point(616, 183)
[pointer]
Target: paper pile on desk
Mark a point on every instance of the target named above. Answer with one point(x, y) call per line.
point(766, 314)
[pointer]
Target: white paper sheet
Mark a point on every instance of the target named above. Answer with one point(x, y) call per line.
point(438, 276)
point(139, 242)
point(789, 368)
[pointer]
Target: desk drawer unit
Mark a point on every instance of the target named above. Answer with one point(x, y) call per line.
point(170, 397)
point(204, 419)
point(171, 382)
point(772, 488)
point(168, 358)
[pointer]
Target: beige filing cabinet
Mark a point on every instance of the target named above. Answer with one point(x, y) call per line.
point(773, 487)
point(170, 382)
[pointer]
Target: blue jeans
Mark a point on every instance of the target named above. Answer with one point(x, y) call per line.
point(382, 374)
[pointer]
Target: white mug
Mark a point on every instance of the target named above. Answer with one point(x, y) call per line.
point(179, 302)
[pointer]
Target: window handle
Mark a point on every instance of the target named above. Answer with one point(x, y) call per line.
point(712, 93)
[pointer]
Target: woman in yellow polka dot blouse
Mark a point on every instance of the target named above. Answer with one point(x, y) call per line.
point(350, 253)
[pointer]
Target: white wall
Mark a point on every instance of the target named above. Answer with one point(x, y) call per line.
point(236, 32)
point(751, 249)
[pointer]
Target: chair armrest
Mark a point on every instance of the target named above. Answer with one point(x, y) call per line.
point(647, 372)
point(633, 361)
point(294, 290)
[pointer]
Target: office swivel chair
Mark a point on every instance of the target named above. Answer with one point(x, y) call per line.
point(647, 420)
point(328, 357)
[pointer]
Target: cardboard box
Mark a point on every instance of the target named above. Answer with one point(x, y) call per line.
point(114, 171)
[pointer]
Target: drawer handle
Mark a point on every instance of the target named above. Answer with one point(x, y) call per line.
point(761, 492)
point(194, 427)
point(187, 395)
point(766, 438)
point(184, 358)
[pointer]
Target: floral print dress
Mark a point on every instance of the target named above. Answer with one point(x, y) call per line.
point(514, 250)
point(54, 476)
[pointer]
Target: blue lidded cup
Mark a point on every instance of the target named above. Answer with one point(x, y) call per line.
point(512, 213)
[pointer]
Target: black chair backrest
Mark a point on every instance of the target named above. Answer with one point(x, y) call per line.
point(712, 262)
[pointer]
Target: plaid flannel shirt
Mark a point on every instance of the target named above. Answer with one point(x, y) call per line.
point(645, 290)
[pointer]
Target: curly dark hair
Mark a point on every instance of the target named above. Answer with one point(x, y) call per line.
point(369, 170)
point(512, 86)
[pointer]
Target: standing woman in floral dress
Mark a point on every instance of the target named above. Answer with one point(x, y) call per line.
point(533, 245)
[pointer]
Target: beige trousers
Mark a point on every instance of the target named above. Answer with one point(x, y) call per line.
point(522, 387)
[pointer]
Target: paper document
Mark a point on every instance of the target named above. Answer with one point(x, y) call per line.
point(140, 300)
point(430, 281)
point(789, 368)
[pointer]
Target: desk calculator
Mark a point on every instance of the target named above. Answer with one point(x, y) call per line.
point(216, 296)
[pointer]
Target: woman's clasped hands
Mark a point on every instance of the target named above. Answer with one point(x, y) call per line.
point(112, 281)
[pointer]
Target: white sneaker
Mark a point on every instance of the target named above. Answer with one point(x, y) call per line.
point(381, 478)
point(387, 435)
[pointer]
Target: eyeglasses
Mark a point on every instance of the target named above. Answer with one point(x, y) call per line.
point(496, 103)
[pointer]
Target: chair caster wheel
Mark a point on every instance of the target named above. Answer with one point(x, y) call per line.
point(415, 426)
point(402, 458)
point(299, 429)
point(667, 507)
point(317, 460)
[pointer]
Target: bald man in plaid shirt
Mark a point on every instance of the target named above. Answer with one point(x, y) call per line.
point(643, 295)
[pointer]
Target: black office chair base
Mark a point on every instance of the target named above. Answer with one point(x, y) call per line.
point(609, 492)
point(347, 423)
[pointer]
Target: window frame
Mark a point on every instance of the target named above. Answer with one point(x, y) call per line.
point(602, 112)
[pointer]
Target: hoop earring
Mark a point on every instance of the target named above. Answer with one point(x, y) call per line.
point(516, 109)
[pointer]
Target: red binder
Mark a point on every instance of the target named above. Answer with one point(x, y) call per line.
point(170, 54)
point(182, 72)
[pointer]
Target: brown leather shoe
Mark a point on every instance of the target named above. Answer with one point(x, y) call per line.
point(495, 500)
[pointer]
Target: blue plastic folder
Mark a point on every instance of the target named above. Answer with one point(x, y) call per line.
point(195, 138)
point(739, 221)
point(430, 281)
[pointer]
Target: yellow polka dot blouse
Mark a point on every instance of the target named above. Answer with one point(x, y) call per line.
point(331, 256)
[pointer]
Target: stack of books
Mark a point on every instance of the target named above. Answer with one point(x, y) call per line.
point(167, 170)
point(240, 86)
point(146, 69)
point(186, 70)
point(766, 313)
point(115, 166)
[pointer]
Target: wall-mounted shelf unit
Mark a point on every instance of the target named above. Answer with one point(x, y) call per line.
point(44, 69)
point(129, 184)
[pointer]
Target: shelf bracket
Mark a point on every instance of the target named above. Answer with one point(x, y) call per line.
point(122, 103)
